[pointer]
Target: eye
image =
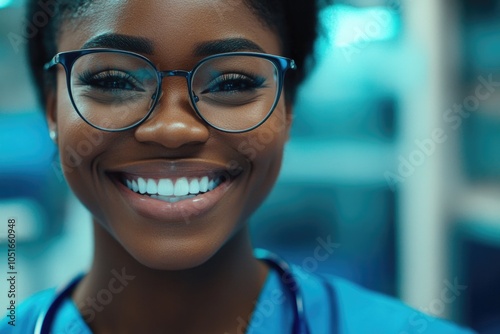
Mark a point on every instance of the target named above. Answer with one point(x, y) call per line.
point(110, 80)
point(234, 83)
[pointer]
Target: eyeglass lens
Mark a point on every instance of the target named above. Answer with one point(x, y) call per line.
point(114, 90)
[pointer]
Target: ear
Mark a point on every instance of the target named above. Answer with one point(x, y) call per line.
point(51, 110)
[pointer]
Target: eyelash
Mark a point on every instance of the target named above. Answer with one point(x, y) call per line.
point(230, 78)
point(93, 79)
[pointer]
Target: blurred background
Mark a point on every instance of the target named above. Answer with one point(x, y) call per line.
point(393, 158)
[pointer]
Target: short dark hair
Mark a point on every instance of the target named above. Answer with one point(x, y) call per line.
point(295, 21)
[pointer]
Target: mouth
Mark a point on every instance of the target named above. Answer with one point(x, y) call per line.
point(173, 190)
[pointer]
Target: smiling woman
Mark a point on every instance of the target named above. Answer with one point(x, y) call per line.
point(175, 90)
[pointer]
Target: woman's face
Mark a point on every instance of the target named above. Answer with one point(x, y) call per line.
point(174, 144)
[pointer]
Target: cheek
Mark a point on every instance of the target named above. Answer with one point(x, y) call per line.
point(68, 121)
point(78, 141)
point(264, 148)
point(267, 141)
point(79, 144)
point(74, 146)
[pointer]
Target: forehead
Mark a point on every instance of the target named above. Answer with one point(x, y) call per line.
point(174, 27)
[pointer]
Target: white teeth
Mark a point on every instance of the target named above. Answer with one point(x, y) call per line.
point(204, 184)
point(142, 185)
point(165, 187)
point(152, 188)
point(194, 186)
point(170, 191)
point(135, 186)
point(181, 187)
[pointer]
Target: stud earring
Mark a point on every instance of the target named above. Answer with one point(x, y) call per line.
point(53, 136)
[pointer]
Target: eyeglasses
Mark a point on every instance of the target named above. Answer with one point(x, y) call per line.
point(115, 90)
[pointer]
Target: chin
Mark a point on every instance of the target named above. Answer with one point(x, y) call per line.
point(175, 253)
point(178, 263)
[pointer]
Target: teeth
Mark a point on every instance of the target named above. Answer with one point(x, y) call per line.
point(181, 187)
point(152, 188)
point(135, 186)
point(194, 186)
point(172, 199)
point(142, 185)
point(177, 191)
point(204, 184)
point(165, 187)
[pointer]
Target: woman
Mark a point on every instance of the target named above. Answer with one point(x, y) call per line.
point(162, 100)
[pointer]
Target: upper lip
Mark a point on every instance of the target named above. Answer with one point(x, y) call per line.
point(158, 169)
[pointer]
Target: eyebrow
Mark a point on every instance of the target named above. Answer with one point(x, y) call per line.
point(121, 42)
point(226, 45)
point(146, 46)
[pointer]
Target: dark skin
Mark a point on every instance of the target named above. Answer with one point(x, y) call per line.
point(193, 275)
point(205, 299)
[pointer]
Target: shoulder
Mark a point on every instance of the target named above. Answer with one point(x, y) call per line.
point(361, 311)
point(25, 315)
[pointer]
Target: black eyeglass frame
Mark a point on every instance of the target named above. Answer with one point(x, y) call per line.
point(68, 58)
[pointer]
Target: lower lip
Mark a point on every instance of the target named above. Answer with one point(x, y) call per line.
point(180, 212)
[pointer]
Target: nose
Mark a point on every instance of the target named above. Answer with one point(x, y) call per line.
point(173, 123)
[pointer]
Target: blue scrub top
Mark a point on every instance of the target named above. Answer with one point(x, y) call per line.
point(359, 311)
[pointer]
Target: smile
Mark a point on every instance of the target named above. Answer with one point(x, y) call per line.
point(173, 190)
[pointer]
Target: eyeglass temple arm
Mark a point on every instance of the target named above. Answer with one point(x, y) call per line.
point(287, 63)
point(54, 61)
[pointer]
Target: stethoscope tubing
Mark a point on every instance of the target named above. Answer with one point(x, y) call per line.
point(300, 322)
point(46, 318)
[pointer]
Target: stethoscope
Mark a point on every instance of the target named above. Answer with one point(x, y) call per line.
point(300, 326)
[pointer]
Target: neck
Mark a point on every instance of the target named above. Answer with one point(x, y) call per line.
point(120, 295)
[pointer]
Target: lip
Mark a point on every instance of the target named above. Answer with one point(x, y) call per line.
point(182, 212)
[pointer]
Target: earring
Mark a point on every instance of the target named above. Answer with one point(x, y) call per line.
point(53, 136)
